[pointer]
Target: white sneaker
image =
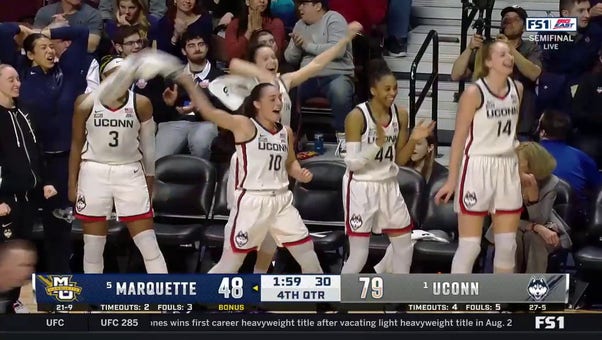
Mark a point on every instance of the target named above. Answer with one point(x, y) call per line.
point(341, 150)
point(20, 308)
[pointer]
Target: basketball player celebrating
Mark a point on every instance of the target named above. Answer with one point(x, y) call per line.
point(377, 142)
point(484, 143)
point(266, 158)
point(112, 151)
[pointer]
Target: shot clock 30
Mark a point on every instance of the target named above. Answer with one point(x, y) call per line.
point(300, 288)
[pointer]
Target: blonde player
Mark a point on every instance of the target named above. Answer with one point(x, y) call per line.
point(483, 163)
point(112, 164)
point(377, 142)
point(266, 157)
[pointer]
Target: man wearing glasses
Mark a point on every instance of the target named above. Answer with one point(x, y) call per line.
point(527, 63)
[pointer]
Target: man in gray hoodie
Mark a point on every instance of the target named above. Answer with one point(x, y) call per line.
point(316, 31)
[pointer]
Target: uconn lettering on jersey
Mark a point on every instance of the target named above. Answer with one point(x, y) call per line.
point(103, 122)
point(388, 139)
point(502, 112)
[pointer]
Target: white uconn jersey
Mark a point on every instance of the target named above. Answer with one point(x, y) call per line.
point(112, 135)
point(383, 166)
point(493, 129)
point(262, 160)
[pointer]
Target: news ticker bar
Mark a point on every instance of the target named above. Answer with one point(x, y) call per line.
point(255, 289)
point(246, 323)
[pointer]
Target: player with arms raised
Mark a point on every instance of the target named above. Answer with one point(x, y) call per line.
point(263, 202)
point(483, 162)
point(112, 164)
point(377, 143)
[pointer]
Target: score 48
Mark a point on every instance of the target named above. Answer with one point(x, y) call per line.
point(373, 285)
point(231, 287)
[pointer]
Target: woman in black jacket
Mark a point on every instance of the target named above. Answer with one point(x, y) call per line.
point(22, 175)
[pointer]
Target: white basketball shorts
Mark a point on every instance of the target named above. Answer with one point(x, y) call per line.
point(102, 186)
point(257, 213)
point(374, 207)
point(489, 184)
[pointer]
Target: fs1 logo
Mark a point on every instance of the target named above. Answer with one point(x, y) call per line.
point(551, 24)
point(549, 322)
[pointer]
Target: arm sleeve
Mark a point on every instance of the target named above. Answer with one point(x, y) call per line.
point(293, 54)
point(147, 146)
point(8, 48)
point(357, 158)
point(541, 211)
point(95, 25)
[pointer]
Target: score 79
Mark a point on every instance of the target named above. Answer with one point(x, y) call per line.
point(374, 285)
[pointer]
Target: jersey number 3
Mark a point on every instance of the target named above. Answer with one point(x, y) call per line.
point(387, 155)
point(507, 128)
point(115, 142)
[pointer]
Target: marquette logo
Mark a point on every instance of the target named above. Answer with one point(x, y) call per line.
point(551, 24)
point(61, 287)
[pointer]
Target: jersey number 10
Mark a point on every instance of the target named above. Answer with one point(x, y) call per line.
point(275, 162)
point(387, 155)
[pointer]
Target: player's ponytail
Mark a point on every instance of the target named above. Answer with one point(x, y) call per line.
point(377, 68)
point(248, 106)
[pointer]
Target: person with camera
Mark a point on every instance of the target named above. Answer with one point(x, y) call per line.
point(527, 63)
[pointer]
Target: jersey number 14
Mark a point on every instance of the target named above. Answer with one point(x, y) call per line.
point(387, 155)
point(505, 129)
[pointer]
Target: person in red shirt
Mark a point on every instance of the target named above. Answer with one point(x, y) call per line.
point(255, 16)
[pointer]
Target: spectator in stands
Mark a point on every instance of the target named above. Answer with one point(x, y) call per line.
point(540, 232)
point(108, 8)
point(264, 59)
point(132, 13)
point(48, 91)
point(127, 40)
point(253, 17)
point(319, 29)
point(423, 157)
point(527, 64)
point(574, 59)
point(587, 103)
point(222, 11)
point(266, 38)
point(77, 14)
point(398, 25)
point(574, 166)
point(17, 263)
point(182, 15)
point(552, 94)
point(183, 127)
point(595, 12)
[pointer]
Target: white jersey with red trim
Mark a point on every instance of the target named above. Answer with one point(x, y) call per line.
point(493, 129)
point(112, 136)
point(383, 166)
point(262, 160)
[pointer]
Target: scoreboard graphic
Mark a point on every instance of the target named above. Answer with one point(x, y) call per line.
point(414, 292)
